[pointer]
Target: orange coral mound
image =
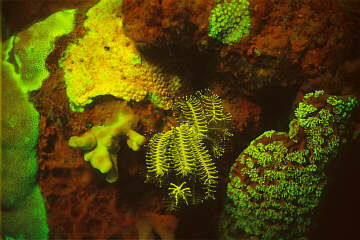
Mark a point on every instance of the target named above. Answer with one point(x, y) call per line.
point(151, 22)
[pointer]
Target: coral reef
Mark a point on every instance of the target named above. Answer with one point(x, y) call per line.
point(118, 55)
point(106, 62)
point(245, 112)
point(277, 181)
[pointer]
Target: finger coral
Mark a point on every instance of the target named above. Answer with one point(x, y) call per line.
point(101, 143)
point(277, 181)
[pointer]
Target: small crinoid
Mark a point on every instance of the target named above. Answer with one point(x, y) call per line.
point(179, 193)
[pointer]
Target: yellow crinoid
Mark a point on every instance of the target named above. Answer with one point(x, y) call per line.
point(187, 151)
point(179, 193)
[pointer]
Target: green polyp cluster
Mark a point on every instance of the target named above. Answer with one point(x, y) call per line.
point(293, 130)
point(315, 94)
point(229, 21)
point(277, 181)
point(325, 127)
point(274, 186)
point(342, 107)
point(155, 99)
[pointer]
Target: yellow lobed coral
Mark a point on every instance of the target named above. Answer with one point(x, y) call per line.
point(106, 62)
point(101, 143)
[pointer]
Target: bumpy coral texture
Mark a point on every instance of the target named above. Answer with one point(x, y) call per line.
point(277, 181)
point(23, 212)
point(230, 21)
point(314, 37)
point(106, 62)
point(153, 22)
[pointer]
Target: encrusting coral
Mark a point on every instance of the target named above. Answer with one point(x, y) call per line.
point(106, 62)
point(277, 181)
point(167, 22)
point(101, 143)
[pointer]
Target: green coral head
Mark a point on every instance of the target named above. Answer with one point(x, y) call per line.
point(276, 185)
point(230, 21)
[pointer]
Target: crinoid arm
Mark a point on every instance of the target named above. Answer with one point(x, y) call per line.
point(213, 106)
point(157, 159)
point(206, 169)
point(182, 151)
point(179, 193)
point(191, 111)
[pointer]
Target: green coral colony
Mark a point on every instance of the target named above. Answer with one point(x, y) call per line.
point(277, 181)
point(229, 21)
